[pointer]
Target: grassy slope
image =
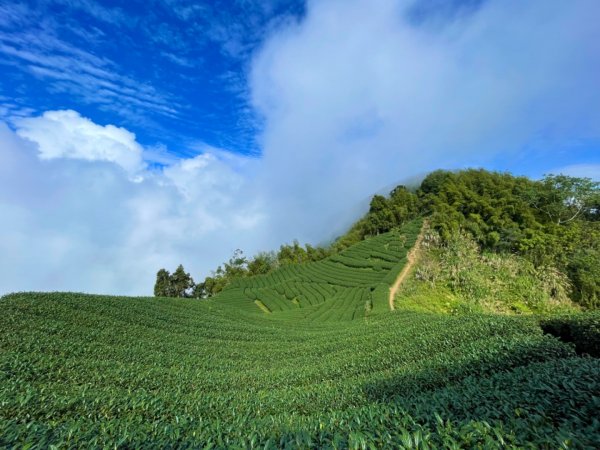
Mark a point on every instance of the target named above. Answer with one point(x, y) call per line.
point(457, 278)
point(82, 370)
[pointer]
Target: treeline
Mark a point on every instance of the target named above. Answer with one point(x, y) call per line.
point(181, 284)
point(554, 222)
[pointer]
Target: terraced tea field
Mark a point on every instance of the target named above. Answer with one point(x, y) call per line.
point(345, 286)
point(81, 371)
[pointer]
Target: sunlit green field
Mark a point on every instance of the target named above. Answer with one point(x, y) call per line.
point(86, 371)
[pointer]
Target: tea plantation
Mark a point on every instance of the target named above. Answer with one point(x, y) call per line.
point(305, 357)
point(345, 286)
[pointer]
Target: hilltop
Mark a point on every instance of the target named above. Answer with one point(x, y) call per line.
point(489, 339)
point(541, 236)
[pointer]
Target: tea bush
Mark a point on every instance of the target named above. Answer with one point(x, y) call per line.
point(95, 371)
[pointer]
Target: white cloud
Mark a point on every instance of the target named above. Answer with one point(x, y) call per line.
point(69, 223)
point(106, 14)
point(69, 69)
point(159, 154)
point(356, 96)
point(65, 134)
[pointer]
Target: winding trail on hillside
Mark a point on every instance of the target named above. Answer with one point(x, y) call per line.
point(410, 262)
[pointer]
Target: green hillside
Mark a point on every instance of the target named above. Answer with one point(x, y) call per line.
point(348, 285)
point(95, 371)
point(493, 342)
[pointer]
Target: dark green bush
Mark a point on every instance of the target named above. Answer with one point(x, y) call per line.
point(583, 330)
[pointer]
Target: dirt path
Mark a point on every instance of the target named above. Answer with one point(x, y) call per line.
point(410, 262)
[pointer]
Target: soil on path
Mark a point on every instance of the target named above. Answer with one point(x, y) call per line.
point(410, 262)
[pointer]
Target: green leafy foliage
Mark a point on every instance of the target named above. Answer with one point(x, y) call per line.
point(294, 350)
point(178, 373)
point(178, 284)
point(583, 330)
point(162, 288)
point(490, 281)
point(561, 198)
point(263, 263)
point(551, 222)
point(385, 214)
point(346, 285)
point(493, 207)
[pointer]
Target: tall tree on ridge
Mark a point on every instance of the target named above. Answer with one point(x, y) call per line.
point(181, 282)
point(162, 287)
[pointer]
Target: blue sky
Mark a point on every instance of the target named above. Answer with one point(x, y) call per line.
point(172, 71)
point(140, 135)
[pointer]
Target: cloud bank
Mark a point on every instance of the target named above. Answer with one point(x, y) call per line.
point(357, 96)
point(77, 220)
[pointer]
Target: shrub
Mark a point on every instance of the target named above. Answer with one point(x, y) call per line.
point(582, 329)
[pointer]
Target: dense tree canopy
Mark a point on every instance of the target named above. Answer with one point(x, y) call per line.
point(552, 222)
